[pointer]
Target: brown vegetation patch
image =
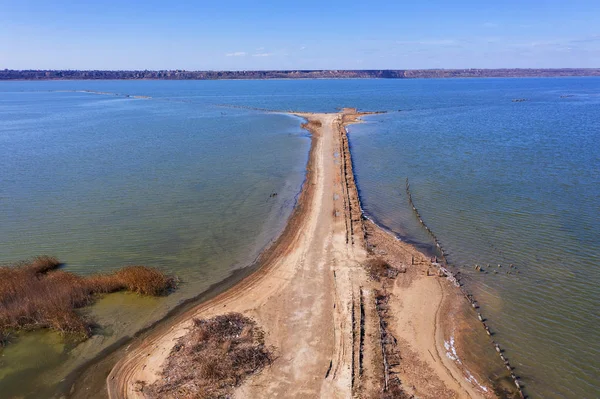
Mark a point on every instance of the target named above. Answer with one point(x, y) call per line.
point(144, 280)
point(379, 269)
point(214, 357)
point(36, 295)
point(312, 125)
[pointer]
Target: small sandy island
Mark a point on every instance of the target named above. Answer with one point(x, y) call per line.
point(339, 328)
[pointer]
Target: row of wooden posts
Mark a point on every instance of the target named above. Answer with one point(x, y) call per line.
point(441, 265)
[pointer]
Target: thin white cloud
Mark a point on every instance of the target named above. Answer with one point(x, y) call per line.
point(236, 54)
point(262, 55)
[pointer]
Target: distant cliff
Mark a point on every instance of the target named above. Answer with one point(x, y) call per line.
point(8, 74)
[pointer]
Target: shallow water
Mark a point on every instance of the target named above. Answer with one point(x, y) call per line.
point(182, 181)
point(505, 183)
point(103, 181)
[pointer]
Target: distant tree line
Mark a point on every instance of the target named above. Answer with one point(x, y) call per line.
point(9, 74)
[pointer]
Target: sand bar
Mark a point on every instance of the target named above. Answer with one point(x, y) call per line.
point(334, 336)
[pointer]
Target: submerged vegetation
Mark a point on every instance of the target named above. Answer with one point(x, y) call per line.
point(216, 355)
point(36, 294)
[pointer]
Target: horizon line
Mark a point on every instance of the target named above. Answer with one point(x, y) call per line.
point(298, 69)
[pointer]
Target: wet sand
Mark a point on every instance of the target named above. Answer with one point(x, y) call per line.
point(318, 308)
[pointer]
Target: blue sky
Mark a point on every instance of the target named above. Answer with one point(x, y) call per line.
point(246, 35)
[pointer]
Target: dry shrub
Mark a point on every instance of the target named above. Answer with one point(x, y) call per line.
point(311, 125)
point(379, 269)
point(35, 295)
point(216, 355)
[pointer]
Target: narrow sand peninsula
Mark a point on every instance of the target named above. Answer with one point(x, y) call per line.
point(337, 333)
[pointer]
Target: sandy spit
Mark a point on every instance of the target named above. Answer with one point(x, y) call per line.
point(317, 305)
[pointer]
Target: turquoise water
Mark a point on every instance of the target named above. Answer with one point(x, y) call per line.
point(182, 180)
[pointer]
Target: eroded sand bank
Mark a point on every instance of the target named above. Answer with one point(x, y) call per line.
point(319, 309)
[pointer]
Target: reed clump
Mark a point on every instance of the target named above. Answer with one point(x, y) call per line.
point(144, 280)
point(36, 294)
point(216, 355)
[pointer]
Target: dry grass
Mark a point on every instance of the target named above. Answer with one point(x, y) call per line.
point(379, 269)
point(216, 355)
point(36, 294)
point(144, 280)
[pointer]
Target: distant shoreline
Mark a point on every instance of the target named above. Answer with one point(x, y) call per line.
point(45, 75)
